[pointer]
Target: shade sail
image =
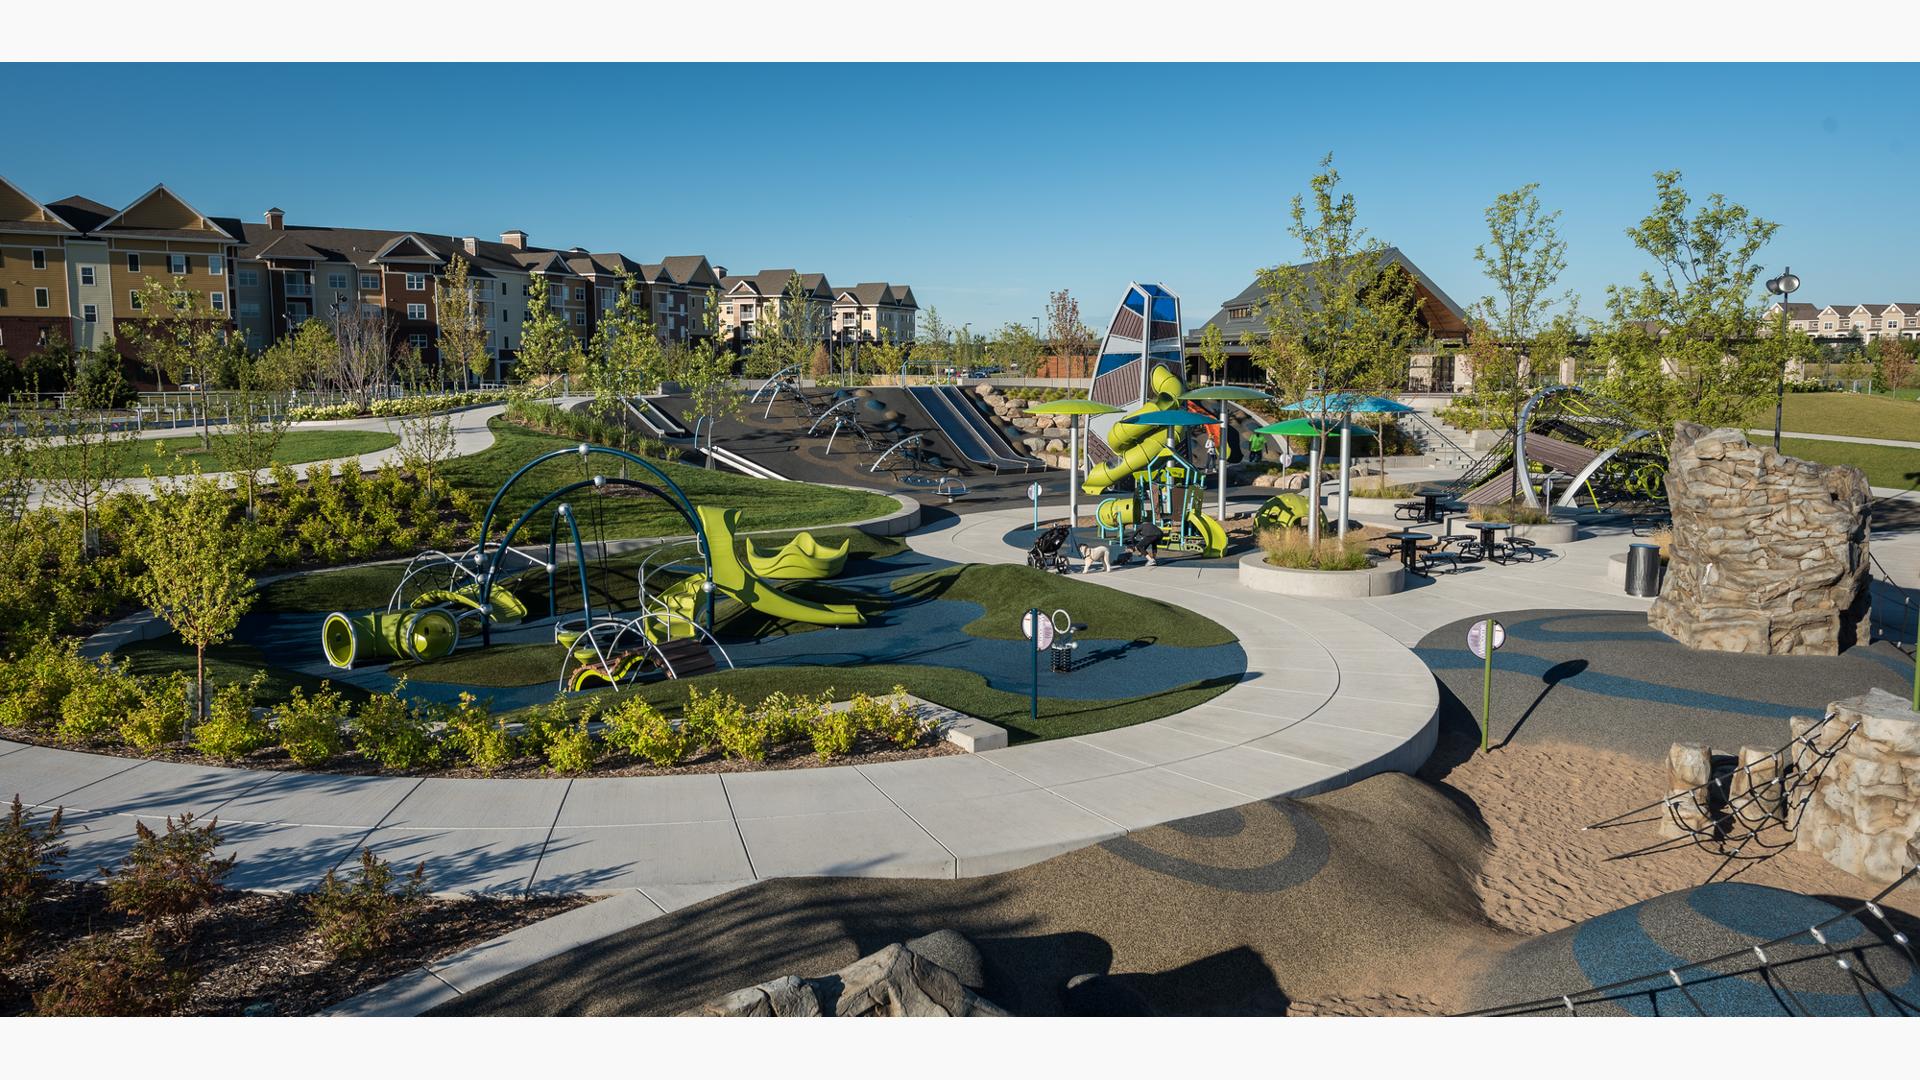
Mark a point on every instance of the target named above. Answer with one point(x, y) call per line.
point(1226, 393)
point(1302, 427)
point(1171, 418)
point(1073, 407)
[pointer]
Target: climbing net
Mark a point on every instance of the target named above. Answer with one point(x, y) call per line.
point(1769, 961)
point(1749, 813)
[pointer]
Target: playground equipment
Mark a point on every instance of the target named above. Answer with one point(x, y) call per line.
point(1064, 628)
point(1287, 510)
point(800, 558)
point(1592, 446)
point(732, 576)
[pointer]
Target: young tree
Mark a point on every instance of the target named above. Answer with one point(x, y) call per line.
point(548, 346)
point(462, 321)
point(1343, 319)
point(785, 332)
point(706, 373)
point(1517, 339)
point(256, 423)
point(426, 442)
point(195, 568)
point(1067, 338)
point(1893, 361)
point(298, 359)
point(934, 345)
point(181, 337)
point(1683, 341)
point(363, 350)
point(80, 458)
point(625, 353)
point(1017, 349)
point(1212, 352)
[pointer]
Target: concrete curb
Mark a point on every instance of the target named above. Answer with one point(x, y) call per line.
point(1381, 579)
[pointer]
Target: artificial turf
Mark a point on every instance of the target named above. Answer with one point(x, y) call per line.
point(1009, 591)
point(764, 504)
point(183, 452)
point(1885, 466)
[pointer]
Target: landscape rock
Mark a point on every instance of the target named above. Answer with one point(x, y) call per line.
point(951, 950)
point(1863, 815)
point(1769, 552)
point(896, 981)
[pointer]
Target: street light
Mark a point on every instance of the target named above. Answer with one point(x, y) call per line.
point(1784, 287)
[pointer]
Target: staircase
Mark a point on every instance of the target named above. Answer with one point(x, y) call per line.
point(1446, 446)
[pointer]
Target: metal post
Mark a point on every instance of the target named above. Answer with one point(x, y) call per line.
point(1073, 473)
point(1346, 469)
point(1486, 687)
point(1033, 616)
point(1313, 490)
point(1220, 505)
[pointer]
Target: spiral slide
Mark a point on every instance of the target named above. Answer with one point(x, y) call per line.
point(1137, 444)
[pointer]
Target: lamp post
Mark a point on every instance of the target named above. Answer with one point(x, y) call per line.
point(1784, 287)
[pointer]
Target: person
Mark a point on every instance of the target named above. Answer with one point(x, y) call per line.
point(1146, 538)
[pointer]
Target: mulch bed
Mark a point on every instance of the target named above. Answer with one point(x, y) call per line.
point(870, 750)
point(254, 953)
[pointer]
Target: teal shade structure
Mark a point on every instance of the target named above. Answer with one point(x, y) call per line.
point(1173, 418)
point(1303, 428)
point(1073, 407)
point(1343, 403)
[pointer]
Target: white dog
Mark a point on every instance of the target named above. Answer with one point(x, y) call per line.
point(1096, 553)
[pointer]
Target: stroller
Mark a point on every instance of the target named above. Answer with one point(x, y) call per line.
point(1049, 551)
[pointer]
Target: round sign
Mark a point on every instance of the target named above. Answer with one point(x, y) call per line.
point(1033, 492)
point(1477, 638)
point(1045, 640)
point(1286, 459)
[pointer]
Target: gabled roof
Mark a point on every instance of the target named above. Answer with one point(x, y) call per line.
point(1232, 326)
point(20, 212)
point(408, 247)
point(173, 219)
point(903, 295)
point(693, 270)
point(85, 214)
point(550, 263)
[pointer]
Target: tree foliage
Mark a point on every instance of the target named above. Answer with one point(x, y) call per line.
point(196, 566)
point(548, 346)
point(625, 355)
point(461, 320)
point(1517, 337)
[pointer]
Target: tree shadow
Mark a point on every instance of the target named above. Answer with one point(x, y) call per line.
point(1549, 679)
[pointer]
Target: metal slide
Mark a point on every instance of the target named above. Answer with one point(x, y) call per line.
point(966, 440)
point(991, 436)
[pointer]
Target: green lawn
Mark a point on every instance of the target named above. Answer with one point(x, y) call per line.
point(961, 690)
point(1864, 416)
point(1008, 591)
point(1885, 466)
point(183, 452)
point(764, 504)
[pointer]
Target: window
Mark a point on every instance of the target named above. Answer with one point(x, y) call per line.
point(336, 281)
point(134, 302)
point(177, 264)
point(417, 312)
point(3, 298)
point(418, 341)
point(503, 316)
point(370, 281)
point(416, 282)
point(1829, 326)
point(216, 265)
point(39, 258)
point(579, 318)
point(90, 313)
point(606, 298)
point(247, 279)
point(506, 343)
point(40, 298)
point(579, 292)
point(219, 301)
point(133, 262)
point(249, 311)
point(86, 275)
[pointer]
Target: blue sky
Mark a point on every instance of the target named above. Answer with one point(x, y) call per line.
point(986, 186)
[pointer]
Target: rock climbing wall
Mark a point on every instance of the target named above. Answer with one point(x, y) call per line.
point(1769, 552)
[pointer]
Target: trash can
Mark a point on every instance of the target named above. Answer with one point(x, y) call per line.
point(1643, 569)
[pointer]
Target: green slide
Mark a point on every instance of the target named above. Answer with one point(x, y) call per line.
point(801, 558)
point(507, 608)
point(732, 577)
point(1137, 444)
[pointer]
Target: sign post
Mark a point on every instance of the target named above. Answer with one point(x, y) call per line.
point(1040, 632)
point(1033, 493)
point(1484, 639)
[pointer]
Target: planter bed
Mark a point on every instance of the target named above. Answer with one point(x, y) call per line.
point(1380, 579)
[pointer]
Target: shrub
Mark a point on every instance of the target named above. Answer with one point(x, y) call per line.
point(168, 876)
point(311, 728)
point(784, 717)
point(107, 976)
point(740, 733)
point(1517, 513)
point(1289, 548)
point(475, 735)
point(889, 718)
point(564, 740)
point(29, 856)
point(360, 918)
point(159, 716)
point(637, 728)
point(393, 732)
point(34, 685)
point(834, 733)
point(100, 701)
point(232, 729)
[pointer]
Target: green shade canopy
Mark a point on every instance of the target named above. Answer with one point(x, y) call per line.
point(1226, 393)
point(1172, 418)
point(1302, 427)
point(1073, 407)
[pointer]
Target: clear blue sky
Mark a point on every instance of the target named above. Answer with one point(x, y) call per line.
point(985, 187)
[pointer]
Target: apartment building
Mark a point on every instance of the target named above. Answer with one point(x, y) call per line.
point(874, 311)
point(1860, 322)
point(1804, 318)
point(76, 267)
point(749, 300)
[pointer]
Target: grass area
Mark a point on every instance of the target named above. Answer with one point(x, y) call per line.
point(961, 690)
point(1373, 489)
point(358, 588)
point(1885, 466)
point(499, 666)
point(1862, 416)
point(184, 453)
point(1007, 592)
point(764, 504)
point(230, 663)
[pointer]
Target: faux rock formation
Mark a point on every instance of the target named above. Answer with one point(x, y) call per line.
point(1864, 813)
point(1769, 552)
point(896, 981)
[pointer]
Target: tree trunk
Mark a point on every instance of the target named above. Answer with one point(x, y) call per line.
point(199, 685)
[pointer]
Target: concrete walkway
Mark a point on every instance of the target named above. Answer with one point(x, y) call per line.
point(470, 436)
point(1768, 432)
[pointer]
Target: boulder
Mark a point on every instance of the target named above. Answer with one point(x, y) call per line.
point(951, 950)
point(983, 388)
point(1769, 552)
point(1034, 443)
point(1056, 446)
point(896, 981)
point(1863, 814)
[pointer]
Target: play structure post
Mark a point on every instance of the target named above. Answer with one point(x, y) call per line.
point(1073, 472)
point(1220, 448)
point(1346, 462)
point(1486, 688)
point(1033, 712)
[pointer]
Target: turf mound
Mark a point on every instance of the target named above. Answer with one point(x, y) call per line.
point(1242, 911)
point(1695, 924)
